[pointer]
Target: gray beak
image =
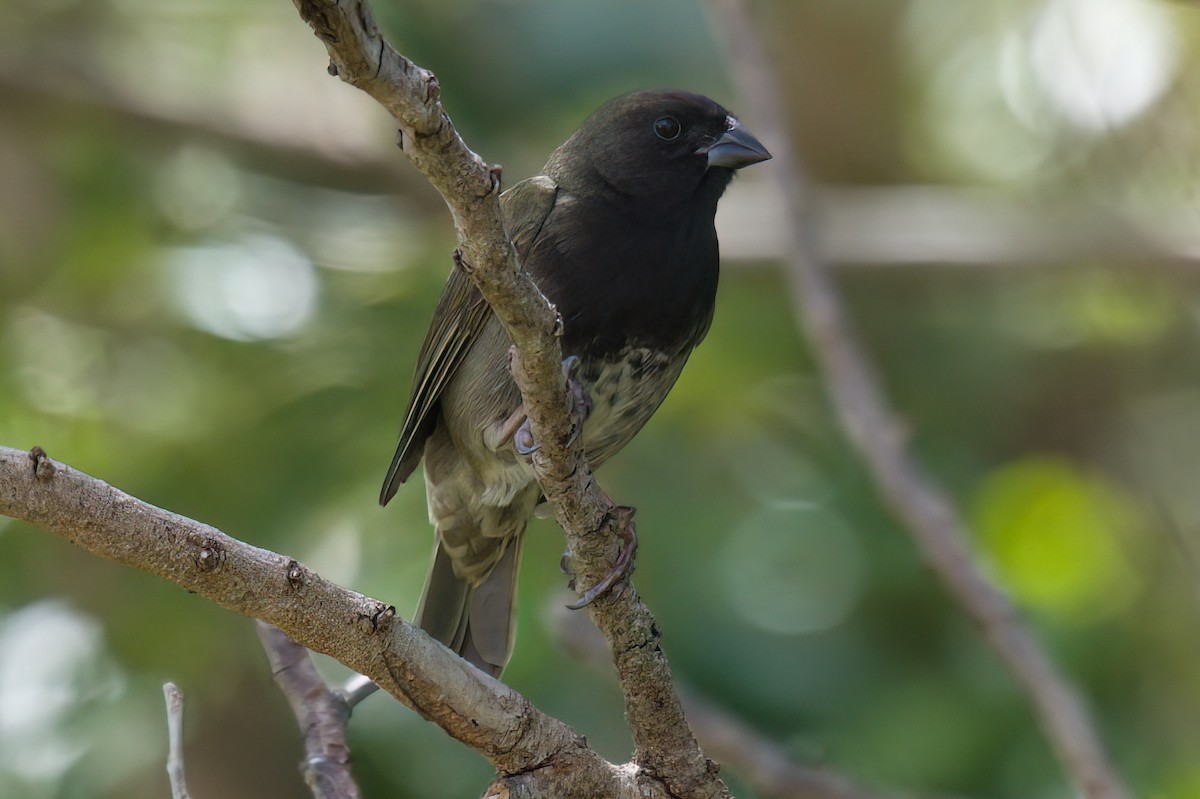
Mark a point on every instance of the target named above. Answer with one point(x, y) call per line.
point(736, 148)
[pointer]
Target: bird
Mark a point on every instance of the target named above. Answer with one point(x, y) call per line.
point(618, 232)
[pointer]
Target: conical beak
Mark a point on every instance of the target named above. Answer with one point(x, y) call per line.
point(736, 148)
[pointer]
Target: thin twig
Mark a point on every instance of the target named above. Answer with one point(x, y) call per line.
point(174, 699)
point(356, 689)
point(321, 714)
point(929, 515)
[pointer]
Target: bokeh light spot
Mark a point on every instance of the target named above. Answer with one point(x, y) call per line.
point(792, 569)
point(1102, 62)
point(51, 661)
point(197, 188)
point(259, 287)
point(58, 364)
point(1056, 533)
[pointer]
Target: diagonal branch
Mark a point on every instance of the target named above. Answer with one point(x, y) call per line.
point(321, 714)
point(928, 513)
point(362, 633)
point(665, 747)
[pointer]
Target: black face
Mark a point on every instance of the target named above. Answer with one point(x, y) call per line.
point(650, 145)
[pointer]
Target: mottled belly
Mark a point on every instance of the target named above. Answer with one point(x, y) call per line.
point(624, 392)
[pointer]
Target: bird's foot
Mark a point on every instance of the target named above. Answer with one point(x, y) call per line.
point(564, 566)
point(499, 434)
point(581, 403)
point(524, 441)
point(622, 568)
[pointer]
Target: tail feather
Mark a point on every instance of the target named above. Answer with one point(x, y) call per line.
point(479, 623)
point(442, 611)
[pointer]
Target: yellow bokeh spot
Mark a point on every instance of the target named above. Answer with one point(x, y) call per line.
point(1058, 536)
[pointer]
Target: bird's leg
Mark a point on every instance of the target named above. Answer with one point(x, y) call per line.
point(523, 440)
point(622, 568)
point(498, 435)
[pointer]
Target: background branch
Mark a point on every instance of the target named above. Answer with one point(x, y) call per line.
point(321, 714)
point(175, 770)
point(928, 513)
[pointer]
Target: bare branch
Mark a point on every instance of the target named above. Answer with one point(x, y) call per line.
point(356, 689)
point(526, 746)
point(929, 515)
point(321, 714)
point(174, 699)
point(665, 747)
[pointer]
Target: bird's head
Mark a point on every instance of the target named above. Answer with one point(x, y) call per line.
point(668, 147)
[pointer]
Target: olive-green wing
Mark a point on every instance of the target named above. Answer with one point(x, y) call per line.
point(460, 315)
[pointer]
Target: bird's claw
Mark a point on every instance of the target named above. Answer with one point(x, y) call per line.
point(564, 566)
point(525, 443)
point(622, 568)
point(581, 404)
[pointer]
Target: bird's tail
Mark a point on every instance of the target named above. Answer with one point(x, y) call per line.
point(478, 622)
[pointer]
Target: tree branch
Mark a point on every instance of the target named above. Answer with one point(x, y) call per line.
point(664, 746)
point(929, 515)
point(321, 714)
point(529, 749)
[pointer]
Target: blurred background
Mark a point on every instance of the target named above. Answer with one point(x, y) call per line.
point(216, 271)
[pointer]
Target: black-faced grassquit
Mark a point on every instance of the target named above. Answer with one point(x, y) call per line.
point(618, 232)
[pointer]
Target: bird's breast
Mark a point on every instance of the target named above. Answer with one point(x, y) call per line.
point(625, 390)
point(618, 281)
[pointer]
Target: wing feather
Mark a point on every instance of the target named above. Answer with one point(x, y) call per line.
point(461, 313)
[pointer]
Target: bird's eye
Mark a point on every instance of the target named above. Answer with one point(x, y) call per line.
point(667, 128)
